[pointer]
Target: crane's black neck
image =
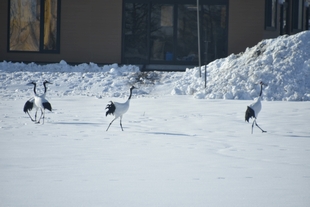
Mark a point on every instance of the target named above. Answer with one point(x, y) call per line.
point(45, 88)
point(34, 88)
point(130, 94)
point(261, 89)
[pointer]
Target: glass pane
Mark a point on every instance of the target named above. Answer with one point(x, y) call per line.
point(300, 14)
point(162, 32)
point(50, 25)
point(214, 35)
point(24, 25)
point(284, 26)
point(273, 13)
point(187, 37)
point(135, 33)
point(308, 18)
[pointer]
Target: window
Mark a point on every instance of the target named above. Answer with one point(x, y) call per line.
point(187, 36)
point(297, 16)
point(34, 25)
point(308, 18)
point(162, 32)
point(165, 32)
point(135, 33)
point(271, 14)
point(214, 29)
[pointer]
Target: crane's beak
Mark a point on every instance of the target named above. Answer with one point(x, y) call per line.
point(264, 84)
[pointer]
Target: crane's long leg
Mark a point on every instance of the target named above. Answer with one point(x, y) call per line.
point(252, 126)
point(42, 114)
point(259, 126)
point(35, 116)
point(121, 123)
point(30, 116)
point(111, 123)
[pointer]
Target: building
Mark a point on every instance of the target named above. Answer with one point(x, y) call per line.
point(156, 34)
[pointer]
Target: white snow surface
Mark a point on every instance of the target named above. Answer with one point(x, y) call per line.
point(182, 145)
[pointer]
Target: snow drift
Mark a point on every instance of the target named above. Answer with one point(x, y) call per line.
point(283, 63)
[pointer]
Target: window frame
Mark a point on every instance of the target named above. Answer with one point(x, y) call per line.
point(269, 15)
point(297, 15)
point(41, 35)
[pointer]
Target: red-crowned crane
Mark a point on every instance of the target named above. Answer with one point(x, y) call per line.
point(118, 109)
point(38, 102)
point(254, 109)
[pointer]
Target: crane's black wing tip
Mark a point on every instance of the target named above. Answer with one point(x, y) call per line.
point(249, 113)
point(110, 109)
point(47, 105)
point(28, 106)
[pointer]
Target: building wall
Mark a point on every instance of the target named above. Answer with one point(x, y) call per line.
point(246, 24)
point(90, 31)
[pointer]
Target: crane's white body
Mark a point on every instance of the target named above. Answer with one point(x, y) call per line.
point(254, 109)
point(38, 102)
point(118, 109)
point(256, 106)
point(122, 108)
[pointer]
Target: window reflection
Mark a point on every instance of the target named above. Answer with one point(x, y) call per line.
point(167, 33)
point(135, 33)
point(26, 25)
point(271, 14)
point(214, 32)
point(50, 25)
point(297, 15)
point(187, 46)
point(161, 32)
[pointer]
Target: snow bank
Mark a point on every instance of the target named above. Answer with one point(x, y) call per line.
point(84, 79)
point(283, 63)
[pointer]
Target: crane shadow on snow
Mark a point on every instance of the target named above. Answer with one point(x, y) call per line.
point(297, 136)
point(77, 123)
point(169, 134)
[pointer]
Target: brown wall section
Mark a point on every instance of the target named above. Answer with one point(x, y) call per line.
point(246, 24)
point(90, 32)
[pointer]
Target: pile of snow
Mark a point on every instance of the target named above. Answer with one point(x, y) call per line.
point(283, 63)
point(84, 79)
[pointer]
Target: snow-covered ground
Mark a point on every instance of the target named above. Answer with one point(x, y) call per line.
point(182, 144)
